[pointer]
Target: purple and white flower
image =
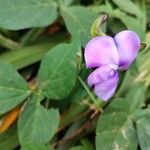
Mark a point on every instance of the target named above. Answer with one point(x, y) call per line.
point(108, 55)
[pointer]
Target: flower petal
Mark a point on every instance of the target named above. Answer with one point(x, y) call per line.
point(106, 89)
point(128, 44)
point(104, 79)
point(101, 51)
point(101, 74)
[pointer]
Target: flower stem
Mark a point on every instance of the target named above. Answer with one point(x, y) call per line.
point(87, 89)
point(96, 102)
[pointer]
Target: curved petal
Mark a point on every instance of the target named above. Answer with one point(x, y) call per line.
point(106, 89)
point(101, 74)
point(128, 44)
point(104, 79)
point(101, 51)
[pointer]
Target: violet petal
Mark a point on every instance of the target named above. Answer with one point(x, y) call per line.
point(128, 44)
point(104, 79)
point(106, 89)
point(101, 51)
point(101, 74)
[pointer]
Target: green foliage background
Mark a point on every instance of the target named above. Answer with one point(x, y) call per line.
point(42, 71)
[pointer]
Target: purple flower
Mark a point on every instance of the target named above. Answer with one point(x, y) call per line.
point(108, 55)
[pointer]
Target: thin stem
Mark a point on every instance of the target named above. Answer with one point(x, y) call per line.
point(74, 111)
point(31, 35)
point(8, 43)
point(47, 103)
point(87, 89)
point(96, 102)
point(9, 34)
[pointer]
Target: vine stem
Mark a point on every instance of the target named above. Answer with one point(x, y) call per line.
point(95, 101)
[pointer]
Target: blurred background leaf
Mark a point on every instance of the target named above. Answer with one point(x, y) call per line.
point(9, 139)
point(24, 14)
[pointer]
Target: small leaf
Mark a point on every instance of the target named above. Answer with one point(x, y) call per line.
point(78, 148)
point(143, 131)
point(35, 147)
point(80, 19)
point(66, 2)
point(128, 6)
point(9, 139)
point(130, 22)
point(13, 88)
point(115, 129)
point(26, 13)
point(36, 124)
point(134, 98)
point(57, 74)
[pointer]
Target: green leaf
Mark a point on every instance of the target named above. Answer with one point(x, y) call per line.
point(57, 74)
point(66, 2)
point(9, 139)
point(136, 93)
point(143, 131)
point(80, 19)
point(35, 147)
point(87, 144)
point(130, 22)
point(128, 6)
point(77, 148)
point(36, 124)
point(13, 88)
point(115, 129)
point(22, 14)
point(31, 54)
